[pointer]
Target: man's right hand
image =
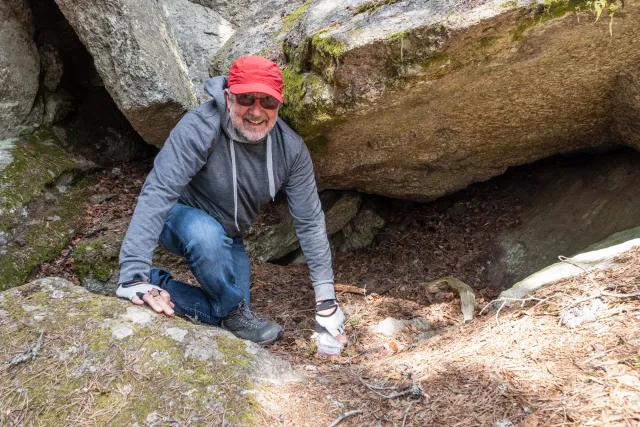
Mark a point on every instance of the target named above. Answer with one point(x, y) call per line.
point(144, 292)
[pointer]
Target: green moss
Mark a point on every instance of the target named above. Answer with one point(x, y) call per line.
point(550, 10)
point(44, 240)
point(95, 259)
point(373, 6)
point(36, 163)
point(306, 101)
point(289, 21)
point(325, 54)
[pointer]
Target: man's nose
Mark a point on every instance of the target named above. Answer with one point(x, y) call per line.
point(256, 108)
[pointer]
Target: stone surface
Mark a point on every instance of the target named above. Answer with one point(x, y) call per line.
point(567, 206)
point(595, 257)
point(95, 339)
point(138, 59)
point(200, 31)
point(277, 237)
point(389, 326)
point(57, 106)
point(626, 107)
point(420, 99)
point(19, 71)
point(40, 204)
point(359, 233)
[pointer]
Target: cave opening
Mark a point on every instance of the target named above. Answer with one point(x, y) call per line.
point(82, 113)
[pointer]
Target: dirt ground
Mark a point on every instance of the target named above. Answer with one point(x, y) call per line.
point(519, 366)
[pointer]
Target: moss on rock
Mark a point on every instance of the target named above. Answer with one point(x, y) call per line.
point(106, 360)
point(36, 163)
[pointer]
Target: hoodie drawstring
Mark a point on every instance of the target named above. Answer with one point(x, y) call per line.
point(272, 185)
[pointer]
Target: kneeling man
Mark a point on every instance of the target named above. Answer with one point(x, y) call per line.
point(221, 162)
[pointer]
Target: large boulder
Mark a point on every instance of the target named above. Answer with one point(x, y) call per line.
point(419, 99)
point(125, 365)
point(275, 236)
point(40, 204)
point(200, 32)
point(138, 59)
point(565, 208)
point(626, 107)
point(20, 109)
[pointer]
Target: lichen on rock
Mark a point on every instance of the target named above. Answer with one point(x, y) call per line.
point(121, 372)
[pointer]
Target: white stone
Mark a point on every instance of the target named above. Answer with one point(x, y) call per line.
point(121, 331)
point(30, 308)
point(138, 315)
point(176, 333)
point(389, 326)
point(57, 294)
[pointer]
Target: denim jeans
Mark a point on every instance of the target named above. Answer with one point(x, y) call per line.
point(219, 263)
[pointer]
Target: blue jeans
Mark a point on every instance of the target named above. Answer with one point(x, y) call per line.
point(219, 263)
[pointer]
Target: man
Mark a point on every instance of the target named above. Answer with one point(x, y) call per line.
point(222, 161)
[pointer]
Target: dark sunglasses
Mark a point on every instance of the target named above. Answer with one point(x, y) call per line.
point(267, 102)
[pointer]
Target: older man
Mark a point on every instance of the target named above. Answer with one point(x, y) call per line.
point(222, 161)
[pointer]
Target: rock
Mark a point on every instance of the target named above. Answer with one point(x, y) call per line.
point(566, 207)
point(40, 204)
point(262, 32)
point(360, 231)
point(19, 71)
point(238, 11)
point(417, 100)
point(138, 59)
point(200, 32)
point(176, 333)
point(596, 257)
point(53, 67)
point(99, 198)
point(576, 316)
point(278, 238)
point(420, 324)
point(626, 107)
point(389, 326)
point(212, 387)
point(57, 106)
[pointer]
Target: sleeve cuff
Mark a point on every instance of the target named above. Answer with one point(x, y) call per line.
point(324, 291)
point(134, 270)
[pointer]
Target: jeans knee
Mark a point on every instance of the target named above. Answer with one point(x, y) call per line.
point(206, 238)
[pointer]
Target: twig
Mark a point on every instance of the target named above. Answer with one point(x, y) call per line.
point(404, 419)
point(349, 289)
point(414, 390)
point(30, 354)
point(345, 415)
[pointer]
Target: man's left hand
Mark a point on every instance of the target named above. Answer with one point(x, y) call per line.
point(332, 319)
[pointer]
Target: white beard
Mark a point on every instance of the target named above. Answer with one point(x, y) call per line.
point(251, 136)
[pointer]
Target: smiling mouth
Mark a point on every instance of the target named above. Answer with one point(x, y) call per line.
point(255, 122)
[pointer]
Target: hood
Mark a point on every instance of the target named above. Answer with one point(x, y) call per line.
point(215, 87)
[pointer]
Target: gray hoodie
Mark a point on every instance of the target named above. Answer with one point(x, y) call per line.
point(206, 164)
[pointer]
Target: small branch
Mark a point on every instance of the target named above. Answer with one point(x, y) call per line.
point(349, 289)
point(30, 354)
point(345, 415)
point(404, 419)
point(414, 390)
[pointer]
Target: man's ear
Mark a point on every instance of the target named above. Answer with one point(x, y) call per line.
point(226, 97)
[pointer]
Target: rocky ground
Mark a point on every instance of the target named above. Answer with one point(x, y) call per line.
point(411, 359)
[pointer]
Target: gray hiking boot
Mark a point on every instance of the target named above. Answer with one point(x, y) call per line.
point(245, 324)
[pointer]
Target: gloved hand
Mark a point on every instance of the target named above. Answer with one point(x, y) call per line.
point(144, 292)
point(327, 344)
point(331, 319)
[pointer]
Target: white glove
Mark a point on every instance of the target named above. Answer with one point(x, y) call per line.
point(327, 344)
point(133, 288)
point(333, 322)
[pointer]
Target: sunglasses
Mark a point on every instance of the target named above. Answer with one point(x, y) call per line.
point(267, 102)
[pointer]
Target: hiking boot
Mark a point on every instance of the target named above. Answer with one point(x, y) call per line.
point(245, 324)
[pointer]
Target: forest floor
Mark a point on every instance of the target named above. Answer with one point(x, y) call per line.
point(524, 365)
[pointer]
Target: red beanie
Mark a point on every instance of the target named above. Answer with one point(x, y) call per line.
point(255, 74)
